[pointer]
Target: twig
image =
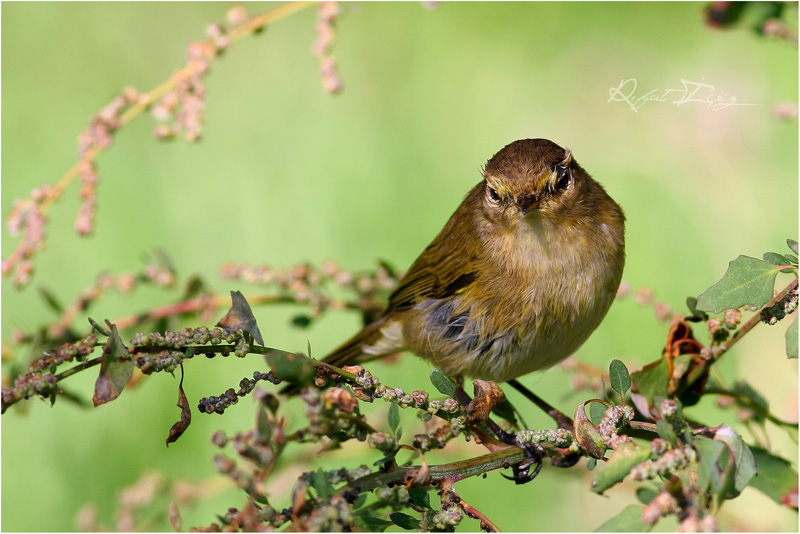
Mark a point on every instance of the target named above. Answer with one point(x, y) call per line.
point(750, 404)
point(718, 350)
point(561, 420)
point(74, 370)
point(456, 471)
point(641, 425)
point(196, 305)
point(487, 525)
point(143, 101)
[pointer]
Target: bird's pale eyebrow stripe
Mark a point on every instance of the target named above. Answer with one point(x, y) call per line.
point(567, 158)
point(493, 182)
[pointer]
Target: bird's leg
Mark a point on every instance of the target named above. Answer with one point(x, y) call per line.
point(561, 420)
point(462, 396)
point(534, 453)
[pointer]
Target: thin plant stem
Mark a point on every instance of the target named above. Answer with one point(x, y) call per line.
point(718, 350)
point(143, 102)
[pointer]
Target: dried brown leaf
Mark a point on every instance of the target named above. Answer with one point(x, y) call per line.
point(586, 434)
point(487, 396)
point(180, 427)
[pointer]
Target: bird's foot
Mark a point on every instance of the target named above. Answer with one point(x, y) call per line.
point(565, 460)
point(534, 454)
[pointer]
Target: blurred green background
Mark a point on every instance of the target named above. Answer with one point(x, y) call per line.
point(286, 173)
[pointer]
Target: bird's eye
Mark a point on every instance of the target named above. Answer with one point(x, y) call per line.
point(563, 178)
point(493, 194)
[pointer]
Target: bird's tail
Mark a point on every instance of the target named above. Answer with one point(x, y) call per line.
point(351, 352)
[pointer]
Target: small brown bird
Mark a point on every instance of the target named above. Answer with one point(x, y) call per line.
point(519, 277)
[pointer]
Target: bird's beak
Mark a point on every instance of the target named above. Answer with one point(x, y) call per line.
point(527, 202)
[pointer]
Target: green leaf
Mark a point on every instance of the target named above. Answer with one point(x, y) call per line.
point(628, 520)
point(619, 465)
point(270, 401)
point(240, 317)
point(443, 383)
point(777, 479)
point(264, 424)
point(360, 500)
point(745, 390)
point(748, 281)
point(193, 287)
point(645, 495)
point(792, 245)
point(620, 378)
point(51, 300)
point(505, 410)
point(586, 434)
point(652, 380)
point(385, 462)
point(591, 464)
point(368, 523)
point(697, 315)
point(773, 258)
point(404, 521)
point(116, 369)
point(649, 382)
point(420, 497)
point(782, 260)
point(665, 431)
point(301, 320)
point(745, 463)
point(708, 456)
point(321, 484)
point(390, 270)
point(791, 339)
point(294, 368)
point(164, 260)
point(99, 328)
point(596, 412)
point(394, 417)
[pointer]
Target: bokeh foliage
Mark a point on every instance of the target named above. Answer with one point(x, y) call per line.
point(287, 173)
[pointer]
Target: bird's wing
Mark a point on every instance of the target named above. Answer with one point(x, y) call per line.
point(441, 271)
point(433, 276)
point(444, 269)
